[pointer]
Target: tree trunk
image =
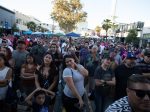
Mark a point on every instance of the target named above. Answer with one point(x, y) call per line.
point(106, 35)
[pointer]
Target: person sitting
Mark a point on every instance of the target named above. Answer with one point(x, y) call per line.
point(41, 101)
point(138, 96)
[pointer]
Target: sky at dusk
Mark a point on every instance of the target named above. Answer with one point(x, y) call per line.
point(127, 11)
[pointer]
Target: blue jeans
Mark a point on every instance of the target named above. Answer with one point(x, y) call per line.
point(102, 102)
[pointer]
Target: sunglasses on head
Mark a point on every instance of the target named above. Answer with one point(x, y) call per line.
point(141, 93)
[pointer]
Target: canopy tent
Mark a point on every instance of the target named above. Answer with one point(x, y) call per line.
point(95, 36)
point(37, 33)
point(27, 32)
point(59, 34)
point(72, 34)
point(47, 33)
point(110, 38)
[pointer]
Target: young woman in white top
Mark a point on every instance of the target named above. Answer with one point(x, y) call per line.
point(5, 77)
point(73, 75)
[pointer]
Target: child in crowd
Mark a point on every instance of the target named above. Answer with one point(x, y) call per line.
point(40, 100)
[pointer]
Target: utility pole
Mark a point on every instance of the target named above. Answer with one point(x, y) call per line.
point(114, 6)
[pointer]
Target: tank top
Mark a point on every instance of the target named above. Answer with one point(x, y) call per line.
point(3, 90)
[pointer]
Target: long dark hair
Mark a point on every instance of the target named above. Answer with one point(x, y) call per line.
point(5, 60)
point(64, 59)
point(9, 53)
point(53, 69)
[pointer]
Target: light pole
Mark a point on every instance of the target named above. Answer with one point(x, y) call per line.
point(53, 27)
point(114, 10)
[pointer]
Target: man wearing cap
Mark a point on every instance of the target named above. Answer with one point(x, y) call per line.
point(144, 66)
point(122, 72)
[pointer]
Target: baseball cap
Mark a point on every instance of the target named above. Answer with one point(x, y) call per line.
point(131, 55)
point(147, 52)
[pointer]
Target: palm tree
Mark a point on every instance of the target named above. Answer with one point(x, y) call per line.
point(106, 25)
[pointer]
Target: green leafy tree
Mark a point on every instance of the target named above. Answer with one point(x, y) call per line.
point(107, 24)
point(132, 37)
point(68, 13)
point(98, 30)
point(14, 28)
point(1, 31)
point(31, 25)
point(38, 28)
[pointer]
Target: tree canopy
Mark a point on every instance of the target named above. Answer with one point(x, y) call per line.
point(68, 13)
point(132, 37)
point(106, 25)
point(97, 30)
point(31, 25)
point(14, 28)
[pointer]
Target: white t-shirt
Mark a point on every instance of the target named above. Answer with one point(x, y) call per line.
point(101, 49)
point(3, 90)
point(63, 47)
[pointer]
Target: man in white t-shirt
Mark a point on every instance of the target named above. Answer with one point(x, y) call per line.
point(101, 48)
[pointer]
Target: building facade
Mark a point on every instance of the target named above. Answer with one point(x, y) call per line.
point(123, 28)
point(7, 19)
point(21, 21)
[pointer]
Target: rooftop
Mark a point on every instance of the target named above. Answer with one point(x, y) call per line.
point(1, 7)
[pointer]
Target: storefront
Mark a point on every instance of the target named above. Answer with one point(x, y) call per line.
point(7, 20)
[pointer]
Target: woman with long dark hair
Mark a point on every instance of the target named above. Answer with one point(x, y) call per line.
point(46, 75)
point(8, 54)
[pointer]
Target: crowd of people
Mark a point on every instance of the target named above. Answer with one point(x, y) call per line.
point(32, 67)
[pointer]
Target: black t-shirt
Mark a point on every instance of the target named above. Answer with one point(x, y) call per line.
point(42, 108)
point(106, 75)
point(102, 74)
point(58, 57)
point(121, 74)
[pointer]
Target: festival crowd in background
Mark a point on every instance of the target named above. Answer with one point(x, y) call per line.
point(54, 74)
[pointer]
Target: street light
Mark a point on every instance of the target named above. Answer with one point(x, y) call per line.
point(53, 27)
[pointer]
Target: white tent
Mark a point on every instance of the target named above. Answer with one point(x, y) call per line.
point(110, 38)
point(95, 36)
point(47, 33)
